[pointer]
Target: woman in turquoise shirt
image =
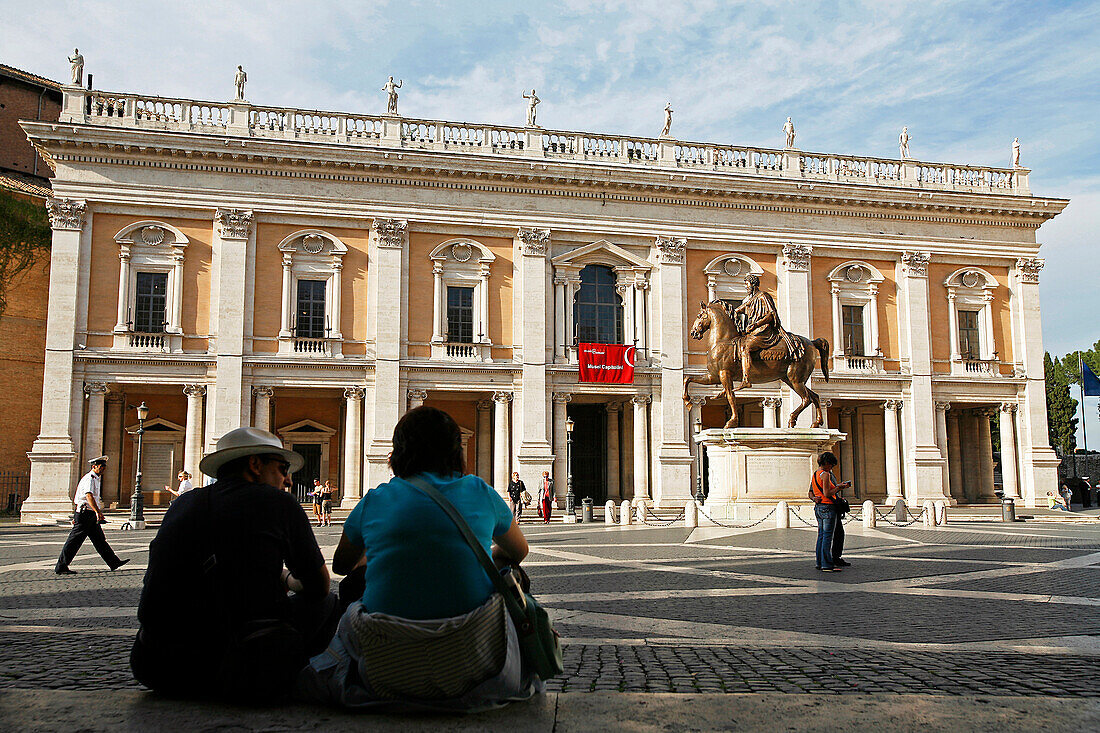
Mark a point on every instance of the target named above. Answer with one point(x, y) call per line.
point(422, 581)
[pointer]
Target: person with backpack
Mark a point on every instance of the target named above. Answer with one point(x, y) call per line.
point(825, 493)
point(236, 596)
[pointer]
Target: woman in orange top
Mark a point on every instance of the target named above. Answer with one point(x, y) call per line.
point(824, 489)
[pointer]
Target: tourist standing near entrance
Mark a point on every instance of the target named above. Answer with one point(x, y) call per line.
point(326, 503)
point(216, 618)
point(185, 484)
point(546, 497)
point(87, 520)
point(315, 495)
point(825, 491)
point(516, 490)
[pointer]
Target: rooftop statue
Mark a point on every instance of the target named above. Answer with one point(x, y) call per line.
point(668, 120)
point(903, 142)
point(788, 130)
point(238, 81)
point(760, 352)
point(1016, 153)
point(391, 91)
point(77, 67)
point(533, 101)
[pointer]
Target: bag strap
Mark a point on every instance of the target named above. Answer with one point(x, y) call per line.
point(514, 609)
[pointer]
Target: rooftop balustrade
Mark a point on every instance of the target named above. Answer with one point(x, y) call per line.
point(240, 118)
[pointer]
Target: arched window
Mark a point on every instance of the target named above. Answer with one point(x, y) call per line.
point(598, 309)
point(150, 287)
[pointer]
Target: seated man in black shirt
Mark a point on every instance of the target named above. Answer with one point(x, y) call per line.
point(216, 618)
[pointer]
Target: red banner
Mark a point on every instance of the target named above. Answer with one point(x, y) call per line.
point(609, 363)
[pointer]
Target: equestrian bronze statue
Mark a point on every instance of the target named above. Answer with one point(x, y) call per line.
point(760, 353)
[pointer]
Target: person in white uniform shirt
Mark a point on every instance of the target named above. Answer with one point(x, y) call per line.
point(185, 484)
point(86, 521)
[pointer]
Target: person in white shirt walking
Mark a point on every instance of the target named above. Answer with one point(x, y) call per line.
point(184, 487)
point(87, 520)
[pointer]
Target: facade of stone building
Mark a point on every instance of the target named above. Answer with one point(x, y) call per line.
point(319, 273)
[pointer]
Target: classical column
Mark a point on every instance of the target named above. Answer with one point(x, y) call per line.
point(176, 303)
point(484, 440)
point(262, 417)
point(955, 459)
point(953, 326)
point(986, 494)
point(193, 432)
point(94, 422)
point(613, 411)
point(641, 285)
point(386, 304)
point(531, 308)
point(112, 447)
point(559, 319)
point(437, 303)
point(288, 295)
point(122, 320)
point(847, 452)
point(872, 320)
point(501, 441)
point(561, 468)
point(1008, 450)
point(891, 408)
point(337, 292)
point(838, 324)
point(641, 443)
point(770, 405)
point(53, 457)
point(941, 441)
point(352, 488)
point(674, 455)
point(416, 398)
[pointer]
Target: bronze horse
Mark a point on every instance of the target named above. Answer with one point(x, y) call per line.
point(724, 362)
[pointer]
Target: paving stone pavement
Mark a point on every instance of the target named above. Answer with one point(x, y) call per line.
point(985, 609)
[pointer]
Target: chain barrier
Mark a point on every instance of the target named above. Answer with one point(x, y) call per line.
point(737, 526)
point(659, 522)
point(885, 516)
point(851, 517)
point(798, 516)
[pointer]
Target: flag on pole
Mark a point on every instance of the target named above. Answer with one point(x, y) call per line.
point(1089, 381)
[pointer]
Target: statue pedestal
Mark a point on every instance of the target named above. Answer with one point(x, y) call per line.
point(751, 469)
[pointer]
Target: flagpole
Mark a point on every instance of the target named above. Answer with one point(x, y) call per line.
point(1084, 415)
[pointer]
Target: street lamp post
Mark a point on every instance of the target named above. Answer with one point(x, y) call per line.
point(137, 503)
point(696, 428)
point(570, 499)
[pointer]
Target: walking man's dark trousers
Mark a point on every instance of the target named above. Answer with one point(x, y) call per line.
point(86, 525)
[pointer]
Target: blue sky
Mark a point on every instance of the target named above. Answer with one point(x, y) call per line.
point(966, 77)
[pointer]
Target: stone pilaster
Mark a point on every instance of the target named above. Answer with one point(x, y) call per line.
point(986, 493)
point(641, 446)
point(614, 409)
point(674, 456)
point(795, 296)
point(112, 447)
point(94, 420)
point(484, 440)
point(942, 444)
point(955, 459)
point(54, 456)
point(531, 306)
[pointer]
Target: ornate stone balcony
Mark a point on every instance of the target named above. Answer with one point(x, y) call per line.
point(240, 118)
point(977, 367)
point(851, 364)
point(461, 352)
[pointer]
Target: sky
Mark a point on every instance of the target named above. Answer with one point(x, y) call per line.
point(965, 77)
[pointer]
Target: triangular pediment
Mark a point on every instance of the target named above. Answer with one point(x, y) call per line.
point(601, 253)
point(306, 427)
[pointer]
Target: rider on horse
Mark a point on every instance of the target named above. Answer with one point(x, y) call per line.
point(763, 329)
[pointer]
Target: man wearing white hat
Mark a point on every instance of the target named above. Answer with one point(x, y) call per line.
point(87, 520)
point(215, 614)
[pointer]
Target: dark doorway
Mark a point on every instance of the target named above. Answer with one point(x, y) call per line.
point(304, 476)
point(589, 452)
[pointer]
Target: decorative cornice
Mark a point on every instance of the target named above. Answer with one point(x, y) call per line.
point(66, 213)
point(535, 241)
point(915, 264)
point(390, 233)
point(233, 223)
point(1029, 268)
point(670, 250)
point(796, 257)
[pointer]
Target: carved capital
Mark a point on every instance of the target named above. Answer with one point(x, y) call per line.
point(562, 398)
point(66, 213)
point(771, 402)
point(847, 411)
point(796, 257)
point(483, 405)
point(263, 392)
point(915, 264)
point(233, 223)
point(535, 241)
point(943, 406)
point(826, 403)
point(390, 233)
point(1009, 408)
point(698, 400)
point(613, 407)
point(417, 395)
point(670, 250)
point(92, 388)
point(502, 398)
point(194, 390)
point(1028, 268)
point(353, 393)
point(641, 400)
point(891, 405)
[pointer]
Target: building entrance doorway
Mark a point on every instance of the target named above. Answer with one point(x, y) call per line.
point(304, 476)
point(589, 452)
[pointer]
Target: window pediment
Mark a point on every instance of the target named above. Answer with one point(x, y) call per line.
point(462, 252)
point(601, 252)
point(313, 242)
point(855, 274)
point(970, 278)
point(731, 265)
point(153, 234)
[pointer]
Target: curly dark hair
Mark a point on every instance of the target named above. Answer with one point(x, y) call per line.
point(427, 439)
point(826, 460)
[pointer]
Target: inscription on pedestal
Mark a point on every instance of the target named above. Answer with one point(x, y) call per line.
point(774, 475)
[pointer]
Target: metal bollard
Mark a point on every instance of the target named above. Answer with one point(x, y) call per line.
point(941, 513)
point(869, 514)
point(782, 516)
point(624, 512)
point(691, 514)
point(1008, 510)
point(609, 513)
point(929, 513)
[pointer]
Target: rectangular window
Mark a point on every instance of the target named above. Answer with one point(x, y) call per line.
point(151, 300)
point(969, 345)
point(310, 321)
point(852, 321)
point(460, 315)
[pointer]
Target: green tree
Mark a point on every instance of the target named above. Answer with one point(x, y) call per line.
point(1061, 407)
point(24, 236)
